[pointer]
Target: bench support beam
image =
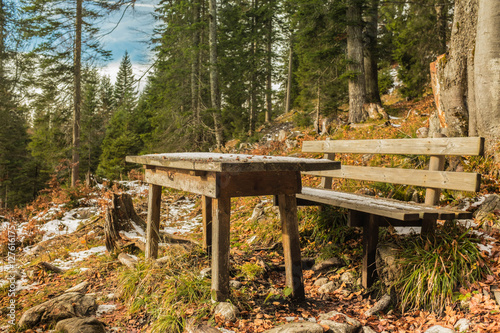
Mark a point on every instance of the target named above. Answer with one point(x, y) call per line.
point(370, 241)
point(206, 207)
point(153, 221)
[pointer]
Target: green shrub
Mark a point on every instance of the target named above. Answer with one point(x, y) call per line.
point(432, 268)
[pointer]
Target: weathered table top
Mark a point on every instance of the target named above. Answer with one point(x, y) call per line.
point(233, 162)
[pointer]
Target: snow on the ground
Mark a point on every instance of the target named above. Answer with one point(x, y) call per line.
point(68, 223)
point(75, 257)
point(104, 308)
point(177, 217)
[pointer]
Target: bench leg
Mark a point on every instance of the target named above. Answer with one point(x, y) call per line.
point(153, 221)
point(291, 245)
point(370, 240)
point(221, 210)
point(428, 226)
point(206, 207)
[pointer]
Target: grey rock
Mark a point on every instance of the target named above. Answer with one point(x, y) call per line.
point(282, 135)
point(326, 264)
point(289, 319)
point(423, 132)
point(386, 263)
point(206, 272)
point(348, 278)
point(235, 284)
point(227, 311)
point(257, 213)
point(79, 288)
point(192, 326)
point(367, 329)
point(327, 288)
point(68, 305)
point(496, 293)
point(490, 204)
point(350, 326)
point(290, 144)
point(303, 327)
point(321, 281)
point(462, 325)
point(80, 325)
point(439, 329)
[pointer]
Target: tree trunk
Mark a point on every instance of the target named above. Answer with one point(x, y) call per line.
point(441, 23)
point(318, 106)
point(355, 57)
point(194, 62)
point(269, 70)
point(487, 73)
point(77, 93)
point(253, 69)
point(214, 72)
point(453, 70)
point(370, 54)
point(289, 80)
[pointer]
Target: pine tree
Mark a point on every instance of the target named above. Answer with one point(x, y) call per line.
point(125, 93)
point(124, 130)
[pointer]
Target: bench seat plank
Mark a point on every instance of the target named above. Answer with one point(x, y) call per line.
point(394, 209)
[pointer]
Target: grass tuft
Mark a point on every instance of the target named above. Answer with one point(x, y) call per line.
point(432, 268)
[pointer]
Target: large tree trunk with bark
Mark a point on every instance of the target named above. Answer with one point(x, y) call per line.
point(355, 57)
point(487, 73)
point(453, 71)
point(214, 72)
point(194, 62)
point(469, 75)
point(75, 170)
point(370, 54)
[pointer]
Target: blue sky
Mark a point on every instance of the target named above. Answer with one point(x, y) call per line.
point(133, 35)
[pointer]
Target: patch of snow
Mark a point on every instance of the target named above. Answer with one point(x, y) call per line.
point(392, 117)
point(104, 308)
point(77, 257)
point(68, 224)
point(480, 201)
point(486, 248)
point(134, 187)
point(178, 219)
point(407, 230)
point(396, 125)
point(251, 239)
point(23, 284)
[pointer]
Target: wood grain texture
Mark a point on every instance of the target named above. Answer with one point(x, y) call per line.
point(291, 245)
point(183, 180)
point(206, 208)
point(435, 146)
point(436, 163)
point(370, 241)
point(326, 182)
point(462, 181)
point(242, 184)
point(153, 221)
point(221, 211)
point(232, 162)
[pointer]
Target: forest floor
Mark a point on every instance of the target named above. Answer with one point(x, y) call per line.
point(65, 228)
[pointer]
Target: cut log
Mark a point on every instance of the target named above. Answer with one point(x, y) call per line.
point(382, 304)
point(127, 260)
point(49, 267)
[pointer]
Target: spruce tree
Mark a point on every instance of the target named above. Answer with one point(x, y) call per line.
point(125, 93)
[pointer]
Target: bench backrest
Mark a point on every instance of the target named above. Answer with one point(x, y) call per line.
point(433, 179)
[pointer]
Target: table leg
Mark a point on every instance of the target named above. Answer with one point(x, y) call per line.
point(221, 211)
point(206, 206)
point(370, 240)
point(153, 221)
point(291, 245)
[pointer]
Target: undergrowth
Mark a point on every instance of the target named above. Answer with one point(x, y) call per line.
point(168, 293)
point(431, 269)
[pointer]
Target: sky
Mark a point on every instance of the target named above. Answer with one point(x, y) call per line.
point(132, 34)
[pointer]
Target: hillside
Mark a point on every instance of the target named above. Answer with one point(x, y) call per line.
point(66, 228)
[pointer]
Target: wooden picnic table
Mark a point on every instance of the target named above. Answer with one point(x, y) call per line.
point(218, 177)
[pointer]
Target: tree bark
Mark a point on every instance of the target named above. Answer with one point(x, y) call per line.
point(355, 58)
point(370, 54)
point(269, 70)
point(77, 93)
point(457, 103)
point(289, 80)
point(487, 73)
point(194, 62)
point(214, 72)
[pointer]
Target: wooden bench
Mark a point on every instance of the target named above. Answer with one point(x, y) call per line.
point(371, 212)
